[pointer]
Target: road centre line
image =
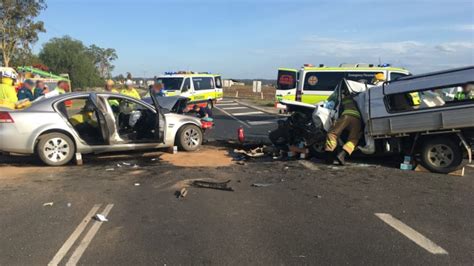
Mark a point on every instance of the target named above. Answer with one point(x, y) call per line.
point(411, 234)
point(73, 237)
point(233, 117)
point(235, 108)
point(248, 113)
point(227, 104)
point(76, 256)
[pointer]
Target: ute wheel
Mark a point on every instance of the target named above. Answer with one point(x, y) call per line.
point(189, 138)
point(55, 149)
point(441, 155)
point(210, 104)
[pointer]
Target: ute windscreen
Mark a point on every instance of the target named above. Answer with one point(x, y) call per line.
point(286, 80)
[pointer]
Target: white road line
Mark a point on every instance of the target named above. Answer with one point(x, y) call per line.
point(235, 108)
point(74, 259)
point(227, 104)
point(235, 118)
point(261, 123)
point(248, 113)
point(219, 102)
point(411, 234)
point(73, 237)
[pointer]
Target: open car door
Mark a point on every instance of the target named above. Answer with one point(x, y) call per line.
point(101, 113)
point(160, 124)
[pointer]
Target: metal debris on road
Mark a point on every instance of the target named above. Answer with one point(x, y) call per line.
point(261, 184)
point(100, 218)
point(213, 185)
point(48, 204)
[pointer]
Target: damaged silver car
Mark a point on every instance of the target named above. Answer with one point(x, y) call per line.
point(87, 122)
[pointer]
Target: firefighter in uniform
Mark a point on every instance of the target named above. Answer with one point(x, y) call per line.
point(8, 96)
point(350, 120)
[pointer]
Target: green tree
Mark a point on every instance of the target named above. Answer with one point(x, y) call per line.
point(103, 58)
point(67, 55)
point(24, 57)
point(18, 28)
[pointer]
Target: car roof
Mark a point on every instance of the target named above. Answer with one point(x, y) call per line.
point(45, 104)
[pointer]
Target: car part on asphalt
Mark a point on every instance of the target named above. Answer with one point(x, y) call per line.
point(213, 185)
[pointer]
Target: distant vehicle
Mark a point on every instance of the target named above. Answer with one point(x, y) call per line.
point(314, 84)
point(96, 123)
point(440, 130)
point(199, 87)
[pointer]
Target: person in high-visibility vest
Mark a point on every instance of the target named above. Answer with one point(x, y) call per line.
point(467, 93)
point(379, 79)
point(109, 86)
point(130, 90)
point(350, 120)
point(8, 96)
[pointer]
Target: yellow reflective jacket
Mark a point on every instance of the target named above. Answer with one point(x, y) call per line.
point(131, 93)
point(8, 94)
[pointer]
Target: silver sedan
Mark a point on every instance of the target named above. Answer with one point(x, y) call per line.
point(57, 128)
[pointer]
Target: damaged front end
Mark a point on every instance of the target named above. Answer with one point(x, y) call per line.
point(304, 128)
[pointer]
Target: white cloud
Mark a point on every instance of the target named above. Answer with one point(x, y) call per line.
point(414, 55)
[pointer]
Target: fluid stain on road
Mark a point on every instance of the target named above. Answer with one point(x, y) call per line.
point(206, 157)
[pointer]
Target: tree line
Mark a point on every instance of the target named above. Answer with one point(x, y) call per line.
point(87, 66)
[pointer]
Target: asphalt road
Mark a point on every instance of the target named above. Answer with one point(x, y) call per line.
point(299, 212)
point(230, 114)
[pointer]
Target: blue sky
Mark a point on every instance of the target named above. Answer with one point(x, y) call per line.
point(251, 39)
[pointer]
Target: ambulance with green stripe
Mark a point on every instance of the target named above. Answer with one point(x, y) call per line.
point(199, 87)
point(313, 84)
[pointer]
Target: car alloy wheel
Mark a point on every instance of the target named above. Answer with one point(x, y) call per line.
point(56, 149)
point(192, 137)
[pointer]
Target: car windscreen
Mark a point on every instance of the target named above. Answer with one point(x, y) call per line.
point(171, 84)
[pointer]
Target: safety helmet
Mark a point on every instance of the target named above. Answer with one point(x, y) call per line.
point(380, 76)
point(109, 82)
point(129, 82)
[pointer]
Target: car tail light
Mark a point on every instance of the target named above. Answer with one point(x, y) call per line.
point(206, 124)
point(5, 118)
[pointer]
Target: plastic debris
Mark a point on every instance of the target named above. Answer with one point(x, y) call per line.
point(109, 169)
point(48, 204)
point(153, 159)
point(68, 204)
point(127, 164)
point(135, 166)
point(261, 184)
point(213, 185)
point(136, 184)
point(118, 165)
point(100, 218)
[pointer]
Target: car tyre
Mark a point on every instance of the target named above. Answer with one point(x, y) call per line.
point(189, 138)
point(55, 149)
point(441, 155)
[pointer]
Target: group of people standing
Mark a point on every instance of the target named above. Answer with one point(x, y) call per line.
point(130, 91)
